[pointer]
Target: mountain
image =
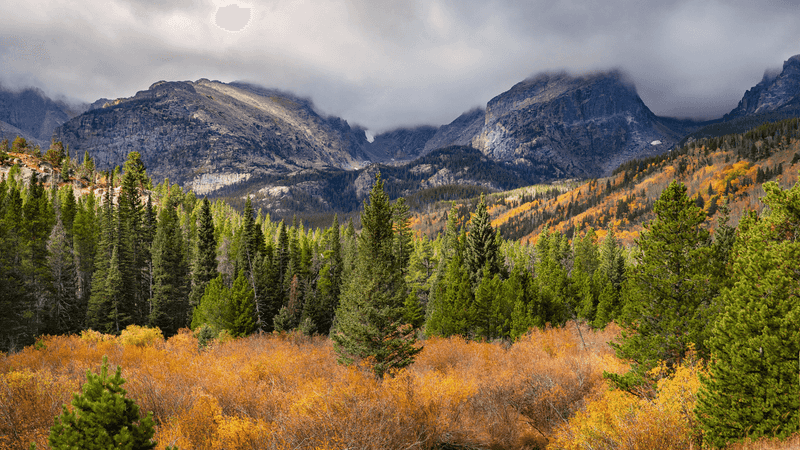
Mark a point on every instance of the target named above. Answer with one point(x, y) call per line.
point(31, 114)
point(583, 126)
point(776, 91)
point(402, 144)
point(207, 134)
point(564, 125)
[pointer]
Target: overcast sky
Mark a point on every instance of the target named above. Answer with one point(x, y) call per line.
point(384, 64)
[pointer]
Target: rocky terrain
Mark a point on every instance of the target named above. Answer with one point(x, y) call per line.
point(206, 134)
point(31, 114)
point(570, 126)
point(776, 91)
point(447, 173)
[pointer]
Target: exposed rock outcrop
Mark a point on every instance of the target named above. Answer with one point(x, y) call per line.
point(207, 133)
point(775, 91)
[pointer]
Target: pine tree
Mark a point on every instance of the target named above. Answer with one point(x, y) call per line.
point(482, 250)
point(752, 389)
point(449, 309)
point(370, 315)
point(99, 304)
point(610, 279)
point(242, 307)
point(132, 243)
point(13, 303)
point(102, 417)
point(205, 264)
point(84, 240)
point(486, 320)
point(65, 312)
point(38, 218)
point(170, 304)
point(667, 313)
point(212, 309)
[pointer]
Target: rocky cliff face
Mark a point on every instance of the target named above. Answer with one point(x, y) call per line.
point(581, 126)
point(31, 114)
point(772, 93)
point(208, 134)
point(558, 125)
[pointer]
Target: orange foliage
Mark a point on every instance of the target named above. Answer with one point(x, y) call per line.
point(619, 420)
point(287, 391)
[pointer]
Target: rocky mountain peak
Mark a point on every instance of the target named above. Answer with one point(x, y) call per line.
point(579, 126)
point(31, 114)
point(773, 92)
point(208, 134)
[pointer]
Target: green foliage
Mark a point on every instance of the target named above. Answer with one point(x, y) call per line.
point(212, 310)
point(242, 307)
point(205, 263)
point(370, 324)
point(102, 417)
point(170, 304)
point(482, 250)
point(413, 313)
point(668, 309)
point(753, 388)
point(222, 308)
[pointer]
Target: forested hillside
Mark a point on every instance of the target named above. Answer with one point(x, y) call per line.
point(691, 314)
point(728, 168)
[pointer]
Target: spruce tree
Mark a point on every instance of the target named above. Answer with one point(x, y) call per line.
point(370, 323)
point(482, 250)
point(242, 307)
point(668, 310)
point(170, 304)
point(102, 417)
point(65, 312)
point(205, 264)
point(610, 280)
point(752, 389)
point(133, 244)
point(13, 303)
point(449, 308)
point(212, 310)
point(99, 304)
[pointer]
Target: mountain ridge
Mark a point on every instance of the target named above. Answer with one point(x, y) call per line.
point(208, 135)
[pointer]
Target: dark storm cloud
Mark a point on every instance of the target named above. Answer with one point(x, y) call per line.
point(391, 63)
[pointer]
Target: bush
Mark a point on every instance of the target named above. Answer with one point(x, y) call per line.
point(102, 417)
point(140, 336)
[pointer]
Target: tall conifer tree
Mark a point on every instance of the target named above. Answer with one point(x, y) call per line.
point(205, 264)
point(170, 304)
point(753, 388)
point(668, 310)
point(482, 250)
point(370, 316)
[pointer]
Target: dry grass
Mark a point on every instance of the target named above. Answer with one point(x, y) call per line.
point(792, 443)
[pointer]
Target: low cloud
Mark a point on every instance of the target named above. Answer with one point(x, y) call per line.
point(392, 63)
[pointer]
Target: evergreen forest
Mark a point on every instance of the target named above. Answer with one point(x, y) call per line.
point(674, 325)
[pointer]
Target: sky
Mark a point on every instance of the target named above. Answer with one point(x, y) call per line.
point(387, 64)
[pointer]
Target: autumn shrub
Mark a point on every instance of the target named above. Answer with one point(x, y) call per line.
point(28, 403)
point(288, 391)
point(140, 336)
point(617, 419)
